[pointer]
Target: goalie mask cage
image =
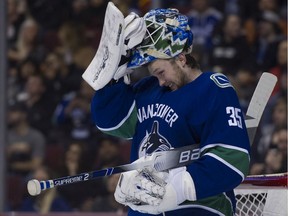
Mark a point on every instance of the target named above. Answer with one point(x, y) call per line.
point(265, 195)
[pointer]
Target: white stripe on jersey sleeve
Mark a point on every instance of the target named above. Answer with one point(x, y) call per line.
point(123, 120)
point(226, 163)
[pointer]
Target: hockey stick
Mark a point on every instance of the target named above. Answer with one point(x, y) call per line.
point(172, 158)
point(258, 103)
point(159, 160)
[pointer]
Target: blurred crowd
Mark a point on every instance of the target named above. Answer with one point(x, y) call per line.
point(50, 132)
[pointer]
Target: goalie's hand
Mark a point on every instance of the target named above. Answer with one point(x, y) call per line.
point(134, 32)
point(136, 187)
point(155, 192)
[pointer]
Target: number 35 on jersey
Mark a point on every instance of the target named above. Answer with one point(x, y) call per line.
point(234, 116)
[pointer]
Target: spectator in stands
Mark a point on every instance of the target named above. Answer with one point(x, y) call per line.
point(76, 51)
point(48, 200)
point(280, 141)
point(40, 108)
point(280, 90)
point(82, 58)
point(26, 145)
point(124, 6)
point(273, 6)
point(108, 203)
point(27, 44)
point(70, 39)
point(276, 157)
point(273, 162)
point(259, 151)
point(78, 9)
point(251, 11)
point(73, 113)
point(202, 19)
point(80, 61)
point(27, 68)
point(75, 162)
point(244, 82)
point(230, 49)
point(54, 71)
point(15, 17)
point(269, 36)
point(12, 84)
point(49, 14)
point(281, 67)
point(279, 119)
point(74, 158)
point(94, 15)
point(108, 153)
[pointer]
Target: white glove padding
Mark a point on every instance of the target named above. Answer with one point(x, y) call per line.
point(105, 62)
point(180, 187)
point(119, 34)
point(134, 33)
point(136, 187)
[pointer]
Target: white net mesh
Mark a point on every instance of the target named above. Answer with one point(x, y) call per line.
point(250, 202)
point(263, 197)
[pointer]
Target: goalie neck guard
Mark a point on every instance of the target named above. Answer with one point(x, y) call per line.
point(168, 34)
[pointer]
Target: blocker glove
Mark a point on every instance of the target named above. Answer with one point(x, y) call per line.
point(152, 192)
point(136, 187)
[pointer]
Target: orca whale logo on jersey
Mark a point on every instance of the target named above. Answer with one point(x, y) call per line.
point(153, 141)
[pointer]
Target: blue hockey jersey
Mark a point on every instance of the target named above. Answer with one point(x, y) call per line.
point(205, 111)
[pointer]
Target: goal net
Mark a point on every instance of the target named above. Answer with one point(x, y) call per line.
point(265, 195)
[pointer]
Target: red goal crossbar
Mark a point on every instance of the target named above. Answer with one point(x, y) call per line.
point(270, 180)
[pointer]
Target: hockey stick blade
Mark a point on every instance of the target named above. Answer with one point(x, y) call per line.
point(174, 157)
point(258, 103)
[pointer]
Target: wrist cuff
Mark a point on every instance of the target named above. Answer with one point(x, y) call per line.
point(189, 187)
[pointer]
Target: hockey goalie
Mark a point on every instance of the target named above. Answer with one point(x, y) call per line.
point(177, 105)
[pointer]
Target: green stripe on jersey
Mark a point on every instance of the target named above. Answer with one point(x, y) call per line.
point(220, 204)
point(127, 129)
point(233, 156)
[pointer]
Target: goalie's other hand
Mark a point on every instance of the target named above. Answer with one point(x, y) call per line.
point(135, 187)
point(155, 192)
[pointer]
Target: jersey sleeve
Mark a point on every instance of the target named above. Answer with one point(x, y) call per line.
point(224, 143)
point(113, 110)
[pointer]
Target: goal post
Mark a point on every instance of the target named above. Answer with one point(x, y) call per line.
point(265, 195)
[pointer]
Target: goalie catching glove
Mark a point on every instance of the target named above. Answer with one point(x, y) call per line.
point(154, 192)
point(119, 35)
